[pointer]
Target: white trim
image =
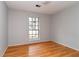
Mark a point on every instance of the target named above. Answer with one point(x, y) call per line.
point(66, 45)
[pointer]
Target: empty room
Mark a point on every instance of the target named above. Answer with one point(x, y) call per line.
point(39, 28)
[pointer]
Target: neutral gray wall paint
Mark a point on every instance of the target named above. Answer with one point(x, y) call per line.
point(17, 26)
point(3, 28)
point(65, 27)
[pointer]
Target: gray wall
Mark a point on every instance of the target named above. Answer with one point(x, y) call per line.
point(3, 28)
point(65, 27)
point(17, 26)
point(62, 27)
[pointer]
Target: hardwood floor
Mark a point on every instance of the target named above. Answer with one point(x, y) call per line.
point(44, 49)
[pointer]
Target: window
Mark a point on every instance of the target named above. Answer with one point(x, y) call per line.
point(33, 28)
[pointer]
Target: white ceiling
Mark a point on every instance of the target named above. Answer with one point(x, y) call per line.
point(50, 8)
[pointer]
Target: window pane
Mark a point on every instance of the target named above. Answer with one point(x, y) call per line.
point(36, 23)
point(30, 23)
point(36, 19)
point(33, 35)
point(36, 36)
point(36, 27)
point(30, 19)
point(30, 32)
point(30, 27)
point(34, 32)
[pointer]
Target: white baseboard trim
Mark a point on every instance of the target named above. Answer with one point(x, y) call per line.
point(30, 42)
point(4, 51)
point(66, 45)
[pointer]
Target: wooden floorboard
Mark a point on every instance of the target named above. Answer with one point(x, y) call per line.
point(43, 49)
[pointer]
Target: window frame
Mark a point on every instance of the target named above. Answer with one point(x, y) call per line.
point(34, 29)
